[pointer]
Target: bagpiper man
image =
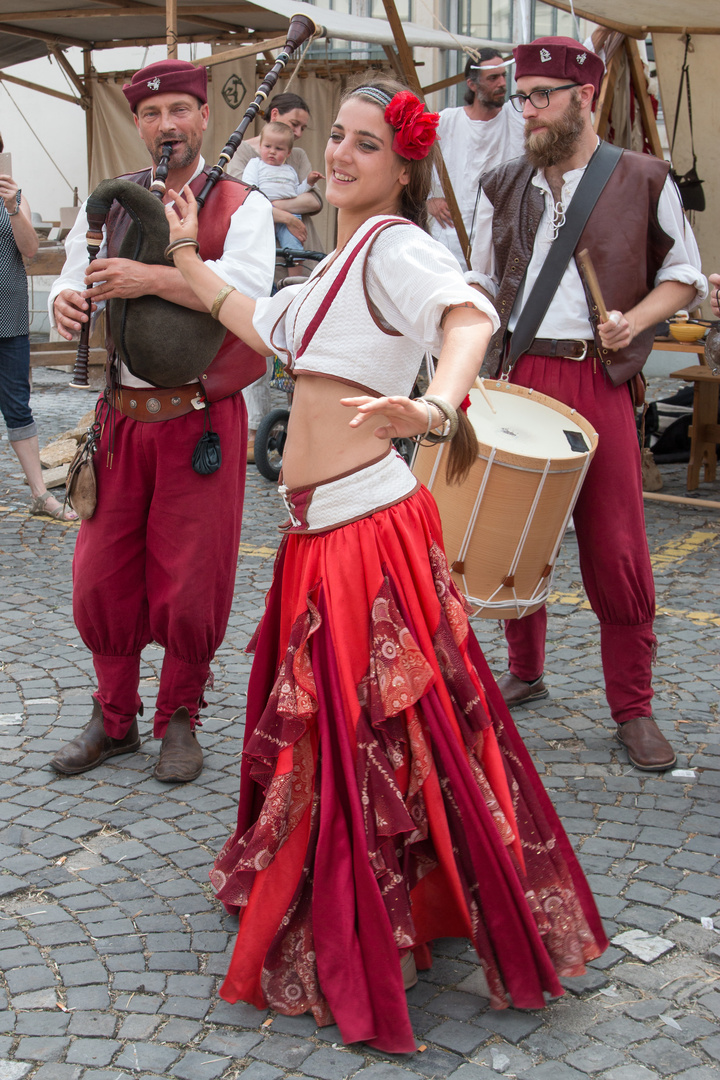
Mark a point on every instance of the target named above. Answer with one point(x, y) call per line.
point(157, 559)
point(648, 267)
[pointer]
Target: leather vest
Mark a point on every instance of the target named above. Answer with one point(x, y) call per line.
point(235, 364)
point(623, 236)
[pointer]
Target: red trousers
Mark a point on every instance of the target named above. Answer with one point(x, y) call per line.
point(157, 560)
point(610, 530)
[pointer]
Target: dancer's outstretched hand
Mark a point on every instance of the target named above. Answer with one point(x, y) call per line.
point(397, 417)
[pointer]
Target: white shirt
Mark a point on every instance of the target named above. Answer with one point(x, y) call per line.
point(469, 149)
point(247, 261)
point(567, 315)
point(275, 181)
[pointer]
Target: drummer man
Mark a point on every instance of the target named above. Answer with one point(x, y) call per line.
point(648, 267)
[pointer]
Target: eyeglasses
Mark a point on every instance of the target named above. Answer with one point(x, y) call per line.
point(539, 99)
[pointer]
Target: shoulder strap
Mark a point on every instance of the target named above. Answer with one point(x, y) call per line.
point(335, 287)
point(599, 170)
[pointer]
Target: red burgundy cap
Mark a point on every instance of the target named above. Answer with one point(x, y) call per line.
point(167, 77)
point(559, 58)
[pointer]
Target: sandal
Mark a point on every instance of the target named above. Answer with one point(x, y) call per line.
point(39, 508)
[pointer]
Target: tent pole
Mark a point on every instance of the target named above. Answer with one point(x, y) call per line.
point(647, 116)
point(407, 64)
point(171, 27)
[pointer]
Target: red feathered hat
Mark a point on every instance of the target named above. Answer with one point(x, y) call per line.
point(167, 77)
point(559, 58)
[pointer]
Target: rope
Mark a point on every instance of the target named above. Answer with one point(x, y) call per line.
point(297, 66)
point(71, 186)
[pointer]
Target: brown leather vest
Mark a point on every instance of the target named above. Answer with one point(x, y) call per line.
point(235, 364)
point(623, 236)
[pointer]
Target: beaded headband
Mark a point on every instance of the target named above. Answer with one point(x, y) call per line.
point(415, 129)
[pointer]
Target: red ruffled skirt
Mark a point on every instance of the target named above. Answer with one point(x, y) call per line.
point(386, 798)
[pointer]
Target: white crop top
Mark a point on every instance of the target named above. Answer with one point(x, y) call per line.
point(384, 317)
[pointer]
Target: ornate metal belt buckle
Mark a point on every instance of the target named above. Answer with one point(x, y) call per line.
point(153, 405)
point(583, 354)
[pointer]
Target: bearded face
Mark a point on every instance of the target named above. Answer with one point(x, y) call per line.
point(550, 142)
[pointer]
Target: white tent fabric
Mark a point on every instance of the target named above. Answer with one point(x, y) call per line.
point(337, 24)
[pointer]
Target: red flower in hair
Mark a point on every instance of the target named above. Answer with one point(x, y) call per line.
point(415, 129)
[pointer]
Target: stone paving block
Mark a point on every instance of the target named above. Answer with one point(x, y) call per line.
point(583, 984)
point(456, 1006)
point(665, 1056)
point(295, 1025)
point(41, 1048)
point(42, 1023)
point(23, 980)
point(282, 1050)
point(471, 1071)
point(463, 1038)
point(199, 986)
point(98, 1024)
point(630, 1072)
point(194, 1065)
point(141, 1003)
point(138, 1027)
point(92, 1051)
point(173, 961)
point(512, 1024)
point(193, 1008)
point(89, 974)
point(139, 1057)
point(594, 1058)
point(58, 1072)
point(230, 1043)
point(552, 1070)
point(699, 1072)
point(13, 1070)
point(258, 1070)
point(239, 1015)
point(384, 1071)
point(39, 999)
point(329, 1064)
point(622, 1032)
point(180, 1031)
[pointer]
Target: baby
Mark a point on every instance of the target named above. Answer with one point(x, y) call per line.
point(275, 178)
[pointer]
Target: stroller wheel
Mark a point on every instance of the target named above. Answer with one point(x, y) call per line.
point(270, 443)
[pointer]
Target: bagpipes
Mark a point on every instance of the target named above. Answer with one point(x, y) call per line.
point(139, 327)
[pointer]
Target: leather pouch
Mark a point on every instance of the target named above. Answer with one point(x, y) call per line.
point(81, 483)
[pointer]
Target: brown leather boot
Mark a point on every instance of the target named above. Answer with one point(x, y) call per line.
point(646, 745)
point(93, 746)
point(181, 758)
point(516, 692)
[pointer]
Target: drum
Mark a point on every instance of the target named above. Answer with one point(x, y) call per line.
point(503, 526)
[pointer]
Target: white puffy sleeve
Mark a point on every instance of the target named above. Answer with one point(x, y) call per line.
point(412, 279)
point(269, 318)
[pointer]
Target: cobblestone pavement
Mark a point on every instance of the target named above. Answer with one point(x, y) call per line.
point(113, 946)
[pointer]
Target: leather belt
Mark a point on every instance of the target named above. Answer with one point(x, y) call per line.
point(566, 349)
point(150, 405)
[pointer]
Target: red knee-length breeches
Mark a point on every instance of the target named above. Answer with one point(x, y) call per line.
point(610, 529)
point(157, 560)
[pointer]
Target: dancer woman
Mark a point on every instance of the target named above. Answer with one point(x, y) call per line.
point(386, 798)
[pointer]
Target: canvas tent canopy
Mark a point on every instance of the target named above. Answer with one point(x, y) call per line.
point(668, 22)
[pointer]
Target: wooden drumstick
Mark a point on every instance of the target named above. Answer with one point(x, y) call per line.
point(593, 284)
point(480, 385)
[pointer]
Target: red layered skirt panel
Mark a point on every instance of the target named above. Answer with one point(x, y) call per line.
point(386, 798)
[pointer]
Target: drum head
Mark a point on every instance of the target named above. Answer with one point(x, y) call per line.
point(520, 423)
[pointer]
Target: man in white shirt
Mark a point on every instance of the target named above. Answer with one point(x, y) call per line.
point(648, 267)
point(156, 561)
point(474, 138)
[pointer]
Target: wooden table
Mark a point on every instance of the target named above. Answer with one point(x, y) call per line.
point(705, 430)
